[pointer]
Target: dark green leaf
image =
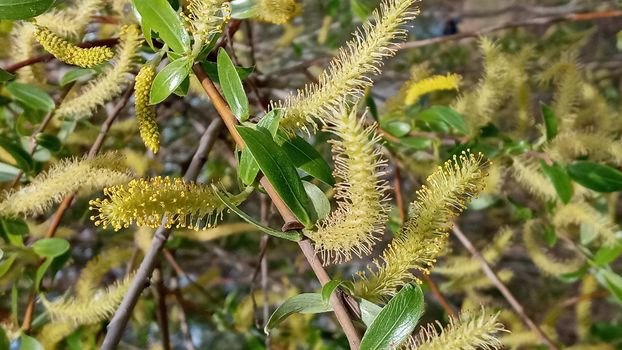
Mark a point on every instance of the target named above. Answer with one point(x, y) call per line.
point(371, 104)
point(279, 170)
point(5, 76)
point(560, 179)
point(211, 68)
point(23, 9)
point(159, 16)
point(31, 96)
point(41, 270)
point(51, 247)
point(248, 168)
point(49, 141)
point(76, 74)
point(305, 303)
point(306, 157)
point(329, 288)
point(5, 344)
point(396, 321)
point(232, 86)
point(550, 122)
point(549, 235)
point(182, 89)
point(396, 128)
point(289, 235)
point(607, 254)
point(6, 264)
point(29, 343)
point(23, 160)
point(168, 79)
point(14, 226)
point(369, 312)
point(595, 176)
point(446, 115)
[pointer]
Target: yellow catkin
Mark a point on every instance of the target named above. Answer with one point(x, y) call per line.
point(148, 202)
point(395, 104)
point(348, 71)
point(570, 145)
point(71, 21)
point(547, 264)
point(354, 226)
point(431, 84)
point(145, 113)
point(276, 11)
point(94, 271)
point(469, 332)
point(98, 307)
point(69, 53)
point(207, 17)
point(23, 47)
point(583, 309)
point(53, 333)
point(424, 235)
point(581, 213)
point(528, 174)
point(564, 73)
point(66, 177)
point(109, 83)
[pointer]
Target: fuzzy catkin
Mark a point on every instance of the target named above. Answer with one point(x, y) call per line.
point(431, 84)
point(109, 83)
point(276, 11)
point(359, 218)
point(145, 113)
point(547, 264)
point(149, 202)
point(348, 71)
point(69, 53)
point(424, 235)
point(65, 177)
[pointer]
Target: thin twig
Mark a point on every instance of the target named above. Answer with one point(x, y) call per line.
point(518, 308)
point(573, 17)
point(141, 279)
point(66, 203)
point(183, 320)
point(160, 293)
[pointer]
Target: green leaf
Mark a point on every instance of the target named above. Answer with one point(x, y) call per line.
point(23, 160)
point(293, 235)
point(31, 96)
point(550, 122)
point(321, 204)
point(396, 321)
point(396, 128)
point(329, 288)
point(7, 172)
point(49, 141)
point(75, 74)
point(607, 254)
point(248, 168)
point(159, 16)
point(242, 9)
point(232, 86)
point(13, 226)
point(23, 9)
point(595, 176)
point(211, 68)
point(182, 89)
point(279, 170)
point(5, 344)
point(560, 180)
point(5, 76)
point(29, 343)
point(306, 157)
point(41, 270)
point(168, 79)
point(5, 265)
point(416, 142)
point(51, 247)
point(305, 303)
point(446, 115)
point(369, 312)
point(611, 281)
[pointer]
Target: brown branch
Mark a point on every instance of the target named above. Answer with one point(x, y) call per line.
point(160, 292)
point(518, 308)
point(66, 203)
point(549, 20)
point(143, 274)
point(48, 57)
point(291, 222)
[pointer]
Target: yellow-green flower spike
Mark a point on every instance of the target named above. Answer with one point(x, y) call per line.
point(145, 113)
point(149, 202)
point(69, 53)
point(276, 11)
point(207, 17)
point(423, 236)
point(431, 84)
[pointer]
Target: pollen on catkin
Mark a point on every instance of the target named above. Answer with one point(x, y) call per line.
point(149, 202)
point(70, 21)
point(65, 177)
point(109, 83)
point(145, 113)
point(423, 236)
point(66, 52)
point(357, 222)
point(206, 17)
point(276, 11)
point(431, 84)
point(469, 332)
point(348, 72)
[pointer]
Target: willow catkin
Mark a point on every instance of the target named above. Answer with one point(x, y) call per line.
point(145, 113)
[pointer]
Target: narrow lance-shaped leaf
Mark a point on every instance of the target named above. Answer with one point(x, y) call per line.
point(31, 96)
point(232, 86)
point(595, 176)
point(23, 9)
point(306, 157)
point(159, 16)
point(560, 180)
point(306, 303)
point(168, 79)
point(248, 168)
